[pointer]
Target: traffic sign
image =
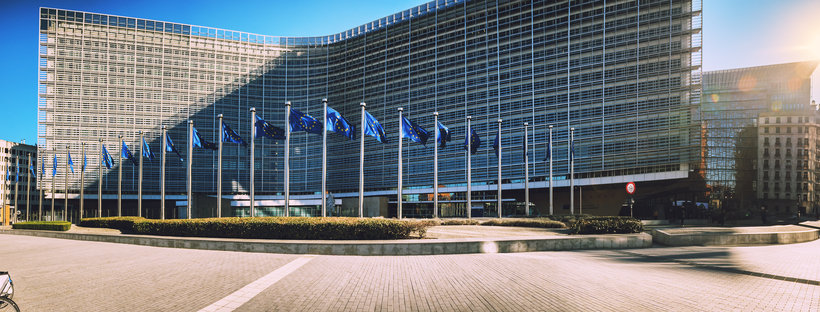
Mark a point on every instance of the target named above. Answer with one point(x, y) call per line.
point(630, 188)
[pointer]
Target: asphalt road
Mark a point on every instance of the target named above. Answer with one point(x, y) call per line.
point(66, 275)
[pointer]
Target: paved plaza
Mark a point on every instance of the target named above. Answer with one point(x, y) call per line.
point(68, 275)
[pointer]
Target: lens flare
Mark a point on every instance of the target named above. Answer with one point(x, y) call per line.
point(747, 83)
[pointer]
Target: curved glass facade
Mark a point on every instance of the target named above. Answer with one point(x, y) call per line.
point(624, 74)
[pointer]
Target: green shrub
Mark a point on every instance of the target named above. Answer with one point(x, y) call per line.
point(606, 225)
point(459, 222)
point(43, 225)
point(269, 227)
point(533, 222)
point(568, 219)
point(124, 224)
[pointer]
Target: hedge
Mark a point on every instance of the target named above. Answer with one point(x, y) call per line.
point(606, 225)
point(337, 228)
point(568, 219)
point(458, 222)
point(124, 224)
point(532, 222)
point(43, 225)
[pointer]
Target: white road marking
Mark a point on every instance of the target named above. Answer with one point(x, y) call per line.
point(245, 294)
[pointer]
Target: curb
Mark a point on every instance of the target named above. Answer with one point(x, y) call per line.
point(729, 239)
point(366, 248)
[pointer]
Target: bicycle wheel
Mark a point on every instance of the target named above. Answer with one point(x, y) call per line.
point(8, 305)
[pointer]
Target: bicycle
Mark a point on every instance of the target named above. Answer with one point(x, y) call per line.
point(6, 293)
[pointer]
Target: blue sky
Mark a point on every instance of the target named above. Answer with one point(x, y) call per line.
point(737, 33)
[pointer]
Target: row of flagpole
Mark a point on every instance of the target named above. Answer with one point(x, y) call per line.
point(298, 121)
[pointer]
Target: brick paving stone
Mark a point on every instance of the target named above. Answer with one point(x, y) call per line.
point(67, 275)
point(59, 275)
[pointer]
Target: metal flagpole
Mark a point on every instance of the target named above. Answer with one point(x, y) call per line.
point(253, 156)
point(324, 159)
point(65, 194)
point(53, 181)
point(163, 146)
point(549, 150)
point(139, 183)
point(189, 198)
point(28, 190)
point(287, 158)
point(219, 170)
point(571, 172)
point(526, 170)
point(82, 182)
point(469, 169)
point(42, 175)
point(398, 195)
point(99, 182)
point(499, 168)
point(435, 165)
point(119, 181)
point(361, 165)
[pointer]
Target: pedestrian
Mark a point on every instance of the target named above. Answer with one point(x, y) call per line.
point(763, 214)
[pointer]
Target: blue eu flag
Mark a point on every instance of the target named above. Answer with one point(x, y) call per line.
point(300, 121)
point(8, 174)
point(572, 150)
point(107, 159)
point(43, 168)
point(374, 128)
point(339, 124)
point(146, 150)
point(475, 142)
point(85, 161)
point(201, 143)
point(497, 143)
point(443, 135)
point(549, 148)
point(54, 167)
point(412, 131)
point(169, 146)
point(126, 153)
point(31, 168)
point(228, 135)
point(70, 162)
point(265, 129)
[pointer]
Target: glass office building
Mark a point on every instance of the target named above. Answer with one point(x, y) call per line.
point(739, 108)
point(624, 74)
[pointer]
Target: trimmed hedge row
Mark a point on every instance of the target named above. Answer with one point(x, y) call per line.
point(124, 224)
point(43, 225)
point(533, 222)
point(606, 225)
point(336, 228)
point(458, 222)
point(568, 219)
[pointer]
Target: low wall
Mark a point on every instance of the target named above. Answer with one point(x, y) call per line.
point(366, 248)
point(728, 238)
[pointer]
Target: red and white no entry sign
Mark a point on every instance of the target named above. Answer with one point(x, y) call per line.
point(630, 188)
